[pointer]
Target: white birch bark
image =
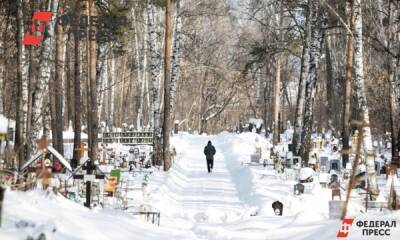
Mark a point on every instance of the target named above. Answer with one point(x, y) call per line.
point(311, 80)
point(44, 73)
point(143, 82)
point(299, 115)
point(176, 54)
point(23, 81)
point(103, 72)
point(362, 97)
point(154, 67)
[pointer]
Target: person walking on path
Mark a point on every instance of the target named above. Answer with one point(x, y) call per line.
point(209, 151)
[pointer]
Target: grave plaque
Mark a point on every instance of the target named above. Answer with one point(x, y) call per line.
point(289, 163)
point(255, 158)
point(378, 167)
point(278, 208)
point(298, 189)
point(296, 160)
point(335, 165)
point(324, 162)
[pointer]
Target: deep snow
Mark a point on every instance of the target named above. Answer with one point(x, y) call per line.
point(232, 202)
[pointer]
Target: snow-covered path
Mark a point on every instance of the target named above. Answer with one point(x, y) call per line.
point(219, 205)
point(195, 195)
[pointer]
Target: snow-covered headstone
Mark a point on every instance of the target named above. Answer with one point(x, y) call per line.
point(298, 189)
point(306, 174)
point(278, 208)
point(323, 162)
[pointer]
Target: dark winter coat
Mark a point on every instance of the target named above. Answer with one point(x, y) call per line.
point(209, 151)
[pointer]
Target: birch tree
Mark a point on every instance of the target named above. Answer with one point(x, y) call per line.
point(22, 97)
point(176, 54)
point(362, 98)
point(305, 61)
point(155, 96)
point(311, 80)
point(48, 46)
point(348, 88)
point(277, 84)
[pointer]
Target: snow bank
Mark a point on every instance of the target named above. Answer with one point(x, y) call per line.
point(26, 214)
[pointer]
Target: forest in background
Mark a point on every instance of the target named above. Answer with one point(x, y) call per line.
point(316, 63)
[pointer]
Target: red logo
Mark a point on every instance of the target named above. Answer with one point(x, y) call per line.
point(345, 228)
point(43, 18)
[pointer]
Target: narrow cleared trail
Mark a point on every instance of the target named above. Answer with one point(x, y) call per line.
point(202, 196)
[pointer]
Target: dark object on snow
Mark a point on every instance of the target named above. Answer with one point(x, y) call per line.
point(176, 128)
point(2, 190)
point(210, 165)
point(209, 151)
point(153, 217)
point(250, 127)
point(278, 208)
point(298, 189)
point(240, 127)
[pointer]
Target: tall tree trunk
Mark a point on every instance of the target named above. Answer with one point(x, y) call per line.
point(393, 78)
point(110, 93)
point(305, 61)
point(330, 86)
point(57, 132)
point(311, 80)
point(143, 82)
point(93, 125)
point(22, 95)
point(167, 85)
point(277, 84)
point(46, 117)
point(362, 98)
point(155, 99)
point(68, 83)
point(77, 89)
point(203, 104)
point(139, 68)
point(347, 88)
point(44, 75)
point(177, 48)
point(101, 74)
point(277, 91)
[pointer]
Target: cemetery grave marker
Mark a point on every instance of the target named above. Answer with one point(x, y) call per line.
point(278, 208)
point(298, 189)
point(335, 165)
point(323, 162)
